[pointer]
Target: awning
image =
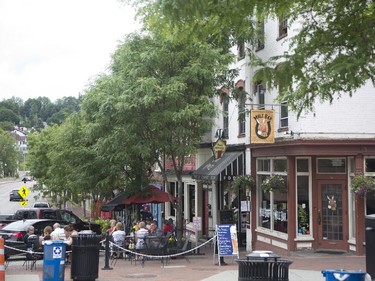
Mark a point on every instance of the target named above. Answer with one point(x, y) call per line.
point(114, 204)
point(230, 164)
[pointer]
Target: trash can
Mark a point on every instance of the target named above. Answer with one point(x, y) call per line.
point(343, 275)
point(85, 256)
point(370, 244)
point(54, 260)
point(263, 265)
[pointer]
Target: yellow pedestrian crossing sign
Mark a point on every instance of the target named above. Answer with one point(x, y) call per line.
point(23, 191)
point(24, 203)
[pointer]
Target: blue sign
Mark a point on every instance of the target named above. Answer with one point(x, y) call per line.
point(227, 240)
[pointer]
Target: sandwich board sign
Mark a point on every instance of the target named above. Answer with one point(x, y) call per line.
point(227, 244)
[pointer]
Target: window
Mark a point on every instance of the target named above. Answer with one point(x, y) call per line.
point(283, 27)
point(283, 115)
point(260, 36)
point(241, 116)
point(303, 197)
point(259, 91)
point(173, 190)
point(370, 165)
point(226, 118)
point(273, 206)
point(241, 49)
point(331, 165)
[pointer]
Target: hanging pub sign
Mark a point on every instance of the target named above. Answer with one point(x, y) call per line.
point(219, 148)
point(262, 126)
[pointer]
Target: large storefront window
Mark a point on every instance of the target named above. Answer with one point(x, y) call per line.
point(273, 206)
point(303, 196)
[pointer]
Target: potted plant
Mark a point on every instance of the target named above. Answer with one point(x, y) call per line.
point(275, 183)
point(360, 185)
point(246, 181)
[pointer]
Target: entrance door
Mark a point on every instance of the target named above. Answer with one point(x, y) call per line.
point(332, 215)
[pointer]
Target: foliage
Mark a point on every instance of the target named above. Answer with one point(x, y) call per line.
point(330, 53)
point(360, 185)
point(9, 156)
point(275, 183)
point(247, 182)
point(104, 224)
point(33, 112)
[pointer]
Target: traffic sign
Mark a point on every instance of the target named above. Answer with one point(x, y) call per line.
point(24, 191)
point(24, 203)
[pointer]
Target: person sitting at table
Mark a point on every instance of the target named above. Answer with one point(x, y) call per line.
point(70, 232)
point(140, 236)
point(58, 232)
point(118, 235)
point(168, 227)
point(112, 226)
point(46, 235)
point(154, 230)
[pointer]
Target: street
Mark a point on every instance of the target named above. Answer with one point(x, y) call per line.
point(9, 207)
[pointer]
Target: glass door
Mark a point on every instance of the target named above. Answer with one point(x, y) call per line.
point(332, 215)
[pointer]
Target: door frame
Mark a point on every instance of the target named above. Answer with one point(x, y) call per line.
point(332, 244)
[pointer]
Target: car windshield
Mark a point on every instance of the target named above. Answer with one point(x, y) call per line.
point(17, 226)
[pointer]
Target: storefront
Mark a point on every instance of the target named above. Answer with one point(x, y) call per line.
point(317, 211)
point(219, 204)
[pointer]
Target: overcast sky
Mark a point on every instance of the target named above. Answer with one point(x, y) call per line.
point(54, 48)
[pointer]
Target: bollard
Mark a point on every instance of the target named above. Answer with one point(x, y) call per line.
point(2, 267)
point(106, 265)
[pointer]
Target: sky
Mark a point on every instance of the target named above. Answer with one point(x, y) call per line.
point(56, 48)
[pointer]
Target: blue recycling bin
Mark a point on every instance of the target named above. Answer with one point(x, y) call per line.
point(54, 260)
point(343, 275)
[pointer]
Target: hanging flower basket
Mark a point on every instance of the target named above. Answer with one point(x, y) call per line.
point(275, 183)
point(361, 185)
point(247, 182)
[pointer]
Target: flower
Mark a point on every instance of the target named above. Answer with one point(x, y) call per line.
point(361, 185)
point(276, 183)
point(243, 181)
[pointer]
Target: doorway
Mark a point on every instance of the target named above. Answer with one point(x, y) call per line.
point(332, 215)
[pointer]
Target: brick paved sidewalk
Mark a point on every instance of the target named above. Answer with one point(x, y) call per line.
point(200, 267)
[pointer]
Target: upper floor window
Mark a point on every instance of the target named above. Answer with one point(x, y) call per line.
point(241, 49)
point(283, 27)
point(283, 115)
point(260, 36)
point(226, 118)
point(260, 89)
point(241, 116)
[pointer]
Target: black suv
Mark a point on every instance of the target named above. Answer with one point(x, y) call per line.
point(65, 216)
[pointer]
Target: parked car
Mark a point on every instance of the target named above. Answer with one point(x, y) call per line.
point(14, 195)
point(13, 234)
point(65, 216)
point(41, 205)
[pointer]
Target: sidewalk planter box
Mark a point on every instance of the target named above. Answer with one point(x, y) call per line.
point(343, 275)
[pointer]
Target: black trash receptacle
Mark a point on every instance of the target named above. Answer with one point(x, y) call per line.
point(85, 256)
point(370, 244)
point(263, 266)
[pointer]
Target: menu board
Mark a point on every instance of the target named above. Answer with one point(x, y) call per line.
point(227, 240)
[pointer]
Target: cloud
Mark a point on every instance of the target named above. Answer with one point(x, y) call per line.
point(53, 48)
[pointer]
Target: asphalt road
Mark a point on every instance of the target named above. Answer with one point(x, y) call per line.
point(6, 185)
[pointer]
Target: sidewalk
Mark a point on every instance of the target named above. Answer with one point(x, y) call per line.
point(305, 267)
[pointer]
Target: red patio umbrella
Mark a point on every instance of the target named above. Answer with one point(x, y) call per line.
point(151, 194)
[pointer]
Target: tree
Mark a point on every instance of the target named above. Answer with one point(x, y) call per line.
point(155, 104)
point(331, 54)
point(9, 155)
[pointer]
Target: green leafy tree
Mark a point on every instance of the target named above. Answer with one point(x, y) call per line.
point(9, 155)
point(331, 54)
point(162, 99)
